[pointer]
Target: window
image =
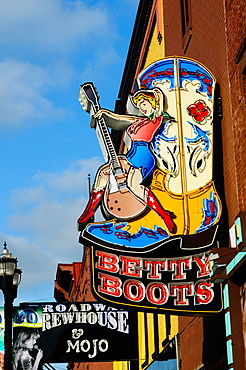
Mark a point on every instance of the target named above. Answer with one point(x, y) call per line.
point(186, 26)
point(240, 60)
point(163, 365)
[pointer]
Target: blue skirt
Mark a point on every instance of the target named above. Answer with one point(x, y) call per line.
point(140, 156)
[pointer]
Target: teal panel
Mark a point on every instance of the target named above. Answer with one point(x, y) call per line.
point(235, 261)
point(239, 231)
point(229, 352)
point(226, 297)
point(228, 323)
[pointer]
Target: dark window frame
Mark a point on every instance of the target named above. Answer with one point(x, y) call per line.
point(186, 23)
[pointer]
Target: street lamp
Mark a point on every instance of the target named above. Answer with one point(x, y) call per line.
point(9, 281)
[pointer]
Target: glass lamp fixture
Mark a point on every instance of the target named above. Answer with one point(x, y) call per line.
point(17, 276)
point(7, 262)
point(10, 274)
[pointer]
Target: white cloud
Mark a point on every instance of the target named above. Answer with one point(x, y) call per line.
point(72, 179)
point(38, 270)
point(53, 26)
point(22, 93)
point(54, 199)
point(47, 214)
point(27, 196)
point(45, 45)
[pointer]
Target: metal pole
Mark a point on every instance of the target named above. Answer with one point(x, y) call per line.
point(9, 280)
point(8, 311)
point(9, 292)
point(89, 183)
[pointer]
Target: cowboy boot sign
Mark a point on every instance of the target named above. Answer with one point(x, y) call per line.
point(159, 199)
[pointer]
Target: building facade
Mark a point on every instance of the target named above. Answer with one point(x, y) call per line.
point(72, 284)
point(213, 33)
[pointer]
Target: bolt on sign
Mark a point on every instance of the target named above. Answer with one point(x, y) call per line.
point(159, 199)
point(73, 332)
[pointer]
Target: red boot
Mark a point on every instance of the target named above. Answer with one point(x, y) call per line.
point(90, 209)
point(154, 204)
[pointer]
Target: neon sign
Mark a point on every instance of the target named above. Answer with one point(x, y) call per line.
point(159, 200)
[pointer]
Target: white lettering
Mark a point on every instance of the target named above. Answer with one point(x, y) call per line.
point(123, 326)
point(112, 322)
point(92, 318)
point(75, 346)
point(100, 347)
point(94, 348)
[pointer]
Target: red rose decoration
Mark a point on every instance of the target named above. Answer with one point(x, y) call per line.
point(199, 110)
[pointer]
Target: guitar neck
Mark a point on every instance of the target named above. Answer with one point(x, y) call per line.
point(106, 143)
point(89, 99)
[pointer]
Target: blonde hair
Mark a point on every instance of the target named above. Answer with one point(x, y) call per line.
point(146, 95)
point(24, 335)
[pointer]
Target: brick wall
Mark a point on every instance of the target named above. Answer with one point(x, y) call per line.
point(235, 11)
point(82, 292)
point(208, 45)
point(217, 40)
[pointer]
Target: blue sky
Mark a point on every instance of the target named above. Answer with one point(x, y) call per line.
point(47, 49)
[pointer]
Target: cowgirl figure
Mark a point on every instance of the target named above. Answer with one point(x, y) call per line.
point(141, 130)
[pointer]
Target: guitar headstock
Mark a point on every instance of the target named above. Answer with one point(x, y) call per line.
point(88, 98)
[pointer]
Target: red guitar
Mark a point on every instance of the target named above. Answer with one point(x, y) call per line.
point(118, 201)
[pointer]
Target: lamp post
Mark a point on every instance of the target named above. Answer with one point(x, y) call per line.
point(9, 281)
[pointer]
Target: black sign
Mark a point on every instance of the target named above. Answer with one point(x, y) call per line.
point(171, 277)
point(76, 332)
